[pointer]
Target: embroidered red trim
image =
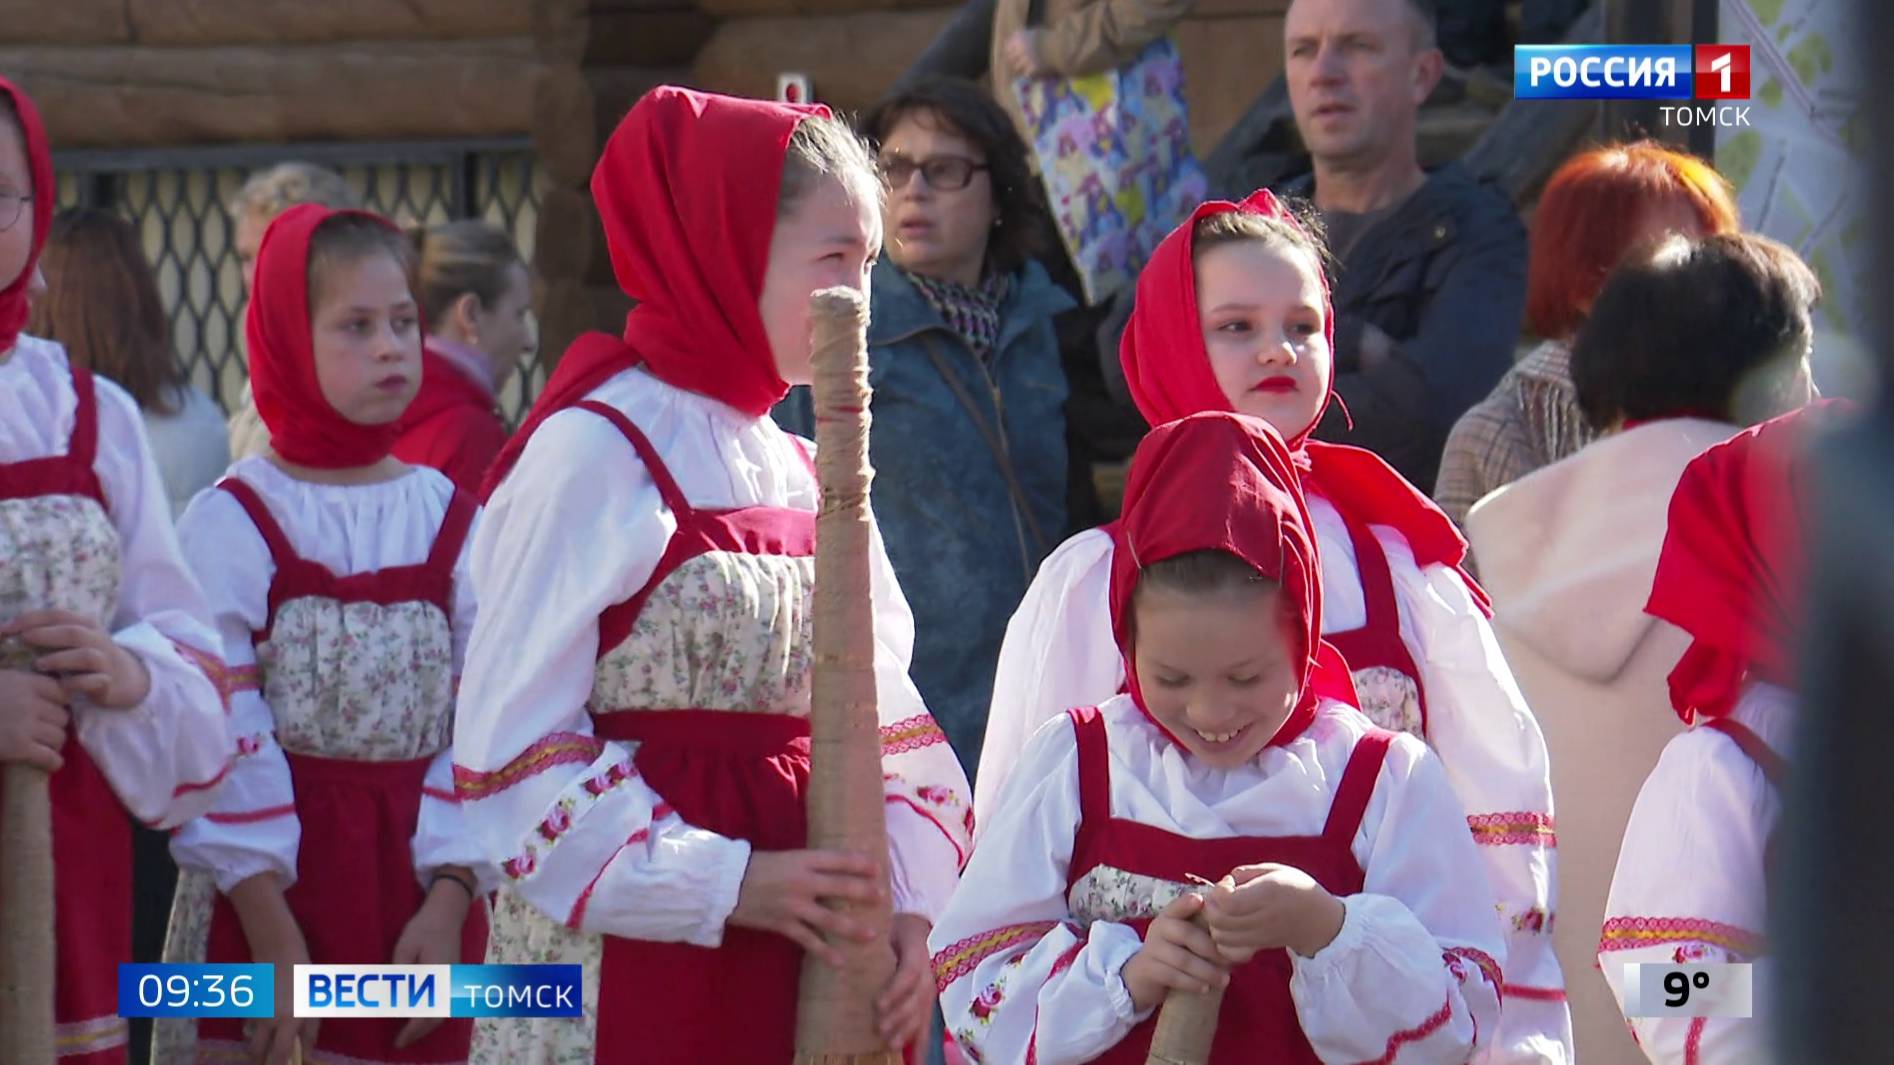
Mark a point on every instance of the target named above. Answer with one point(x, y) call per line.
point(960, 852)
point(250, 817)
point(1631, 933)
point(1059, 965)
point(190, 786)
point(585, 897)
point(958, 959)
point(439, 795)
point(1693, 1042)
point(911, 734)
point(564, 814)
point(1535, 994)
point(1489, 968)
point(1520, 827)
point(1413, 1035)
point(211, 666)
point(554, 749)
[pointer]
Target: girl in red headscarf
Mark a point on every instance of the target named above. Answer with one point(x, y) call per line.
point(1233, 314)
point(633, 729)
point(1336, 849)
point(1692, 878)
point(105, 648)
point(338, 580)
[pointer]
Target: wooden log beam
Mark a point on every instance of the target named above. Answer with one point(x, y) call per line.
point(211, 23)
point(38, 22)
point(851, 59)
point(962, 49)
point(137, 97)
point(1227, 62)
point(570, 242)
point(569, 33)
point(568, 308)
point(575, 109)
point(204, 23)
point(734, 9)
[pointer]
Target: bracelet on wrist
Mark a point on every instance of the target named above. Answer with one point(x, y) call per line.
point(463, 882)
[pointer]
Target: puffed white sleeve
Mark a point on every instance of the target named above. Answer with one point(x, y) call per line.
point(1414, 974)
point(1020, 980)
point(441, 833)
point(1495, 757)
point(926, 795)
point(165, 757)
point(573, 828)
point(253, 827)
point(1689, 888)
point(1058, 654)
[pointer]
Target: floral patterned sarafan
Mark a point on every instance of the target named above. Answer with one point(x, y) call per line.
point(699, 641)
point(59, 551)
point(1114, 151)
point(1391, 700)
point(361, 681)
point(1108, 894)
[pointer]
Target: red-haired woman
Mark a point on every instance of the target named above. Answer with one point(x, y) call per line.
point(1599, 205)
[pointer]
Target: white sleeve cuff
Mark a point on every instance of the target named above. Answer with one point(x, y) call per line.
point(1116, 944)
point(1346, 941)
point(722, 875)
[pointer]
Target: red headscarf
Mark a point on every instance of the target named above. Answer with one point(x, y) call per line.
point(1222, 481)
point(39, 161)
point(1730, 572)
point(686, 190)
point(304, 428)
point(1168, 370)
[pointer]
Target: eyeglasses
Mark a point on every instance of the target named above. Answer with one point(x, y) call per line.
point(943, 173)
point(12, 205)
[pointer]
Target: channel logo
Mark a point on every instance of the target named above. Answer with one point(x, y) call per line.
point(1722, 71)
point(438, 991)
point(1631, 72)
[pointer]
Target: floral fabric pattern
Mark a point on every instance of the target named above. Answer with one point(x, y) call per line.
point(724, 631)
point(57, 552)
point(361, 681)
point(1391, 699)
point(1108, 894)
point(521, 935)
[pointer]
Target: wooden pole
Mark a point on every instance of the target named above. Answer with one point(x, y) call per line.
point(1186, 1026)
point(26, 908)
point(835, 1014)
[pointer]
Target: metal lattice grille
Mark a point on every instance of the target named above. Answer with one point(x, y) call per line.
point(178, 198)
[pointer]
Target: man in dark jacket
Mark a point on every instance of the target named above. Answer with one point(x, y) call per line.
point(1432, 266)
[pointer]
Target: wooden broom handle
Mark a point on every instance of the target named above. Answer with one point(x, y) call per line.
point(1186, 1026)
point(835, 1011)
point(26, 916)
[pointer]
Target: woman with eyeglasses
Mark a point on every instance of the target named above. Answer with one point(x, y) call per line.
point(969, 395)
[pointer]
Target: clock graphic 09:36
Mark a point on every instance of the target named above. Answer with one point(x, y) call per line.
point(194, 990)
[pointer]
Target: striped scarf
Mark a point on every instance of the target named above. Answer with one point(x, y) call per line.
point(972, 312)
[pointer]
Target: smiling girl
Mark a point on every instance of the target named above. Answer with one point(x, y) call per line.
point(1233, 314)
point(1332, 845)
point(338, 579)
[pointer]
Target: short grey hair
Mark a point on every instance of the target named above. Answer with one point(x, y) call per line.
point(273, 191)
